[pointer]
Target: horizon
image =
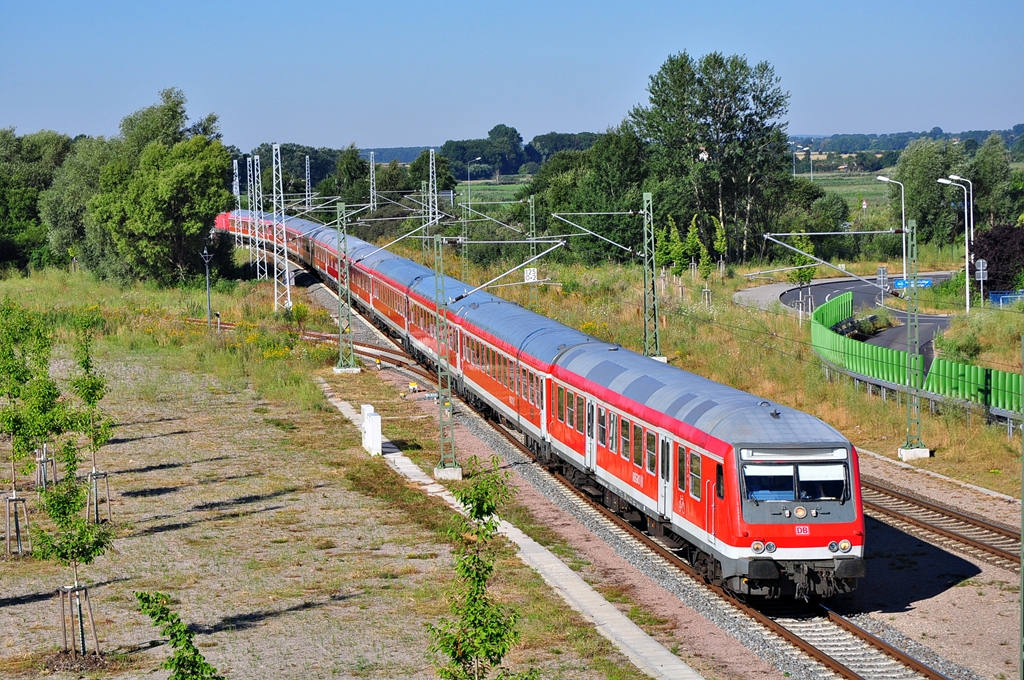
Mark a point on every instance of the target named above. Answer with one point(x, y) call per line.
point(80, 68)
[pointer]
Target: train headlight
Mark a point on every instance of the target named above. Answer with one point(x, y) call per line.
point(845, 545)
point(833, 547)
point(757, 547)
point(800, 512)
point(769, 546)
point(786, 512)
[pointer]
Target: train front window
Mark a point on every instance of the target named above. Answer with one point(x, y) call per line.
point(769, 482)
point(822, 482)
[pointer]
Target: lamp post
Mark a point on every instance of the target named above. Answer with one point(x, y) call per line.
point(967, 243)
point(903, 212)
point(469, 187)
point(209, 310)
point(958, 178)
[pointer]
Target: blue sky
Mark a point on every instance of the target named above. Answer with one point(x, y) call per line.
point(416, 73)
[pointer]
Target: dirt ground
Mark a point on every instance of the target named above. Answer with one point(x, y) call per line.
point(278, 566)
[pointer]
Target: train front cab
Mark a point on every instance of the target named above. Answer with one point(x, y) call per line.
point(800, 527)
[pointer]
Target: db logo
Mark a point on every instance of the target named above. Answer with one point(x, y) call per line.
point(802, 530)
point(638, 479)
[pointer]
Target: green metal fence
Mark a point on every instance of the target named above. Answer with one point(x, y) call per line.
point(986, 386)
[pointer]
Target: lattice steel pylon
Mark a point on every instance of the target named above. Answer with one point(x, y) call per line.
point(425, 213)
point(446, 406)
point(373, 183)
point(652, 339)
point(256, 212)
point(282, 275)
point(309, 189)
point(465, 242)
point(346, 347)
point(237, 191)
point(915, 367)
point(248, 203)
point(533, 249)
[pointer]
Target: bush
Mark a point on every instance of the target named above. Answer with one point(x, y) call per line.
point(964, 346)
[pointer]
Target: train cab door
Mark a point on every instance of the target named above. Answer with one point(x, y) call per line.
point(714, 495)
point(591, 444)
point(665, 477)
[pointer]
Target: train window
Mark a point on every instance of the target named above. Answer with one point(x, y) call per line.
point(638, 445)
point(569, 410)
point(821, 482)
point(613, 431)
point(624, 430)
point(602, 428)
point(695, 474)
point(681, 467)
point(561, 403)
point(522, 383)
point(580, 414)
point(540, 392)
point(652, 452)
point(769, 482)
point(533, 388)
point(719, 481)
point(666, 459)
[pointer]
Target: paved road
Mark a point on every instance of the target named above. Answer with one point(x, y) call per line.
point(866, 295)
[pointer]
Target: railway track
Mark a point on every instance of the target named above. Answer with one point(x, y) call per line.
point(840, 646)
point(981, 539)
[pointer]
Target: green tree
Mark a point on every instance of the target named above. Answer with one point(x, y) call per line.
point(928, 202)
point(692, 245)
point(804, 276)
point(72, 541)
point(990, 172)
point(419, 171)
point(160, 215)
point(481, 631)
point(705, 266)
point(507, 145)
point(721, 240)
point(28, 165)
point(717, 122)
point(186, 662)
point(31, 411)
point(63, 207)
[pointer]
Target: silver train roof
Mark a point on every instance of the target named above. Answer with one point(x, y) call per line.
point(724, 412)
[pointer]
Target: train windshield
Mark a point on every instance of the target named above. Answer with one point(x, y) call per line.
point(769, 482)
point(805, 482)
point(821, 482)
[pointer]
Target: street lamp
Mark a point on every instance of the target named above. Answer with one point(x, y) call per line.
point(958, 178)
point(903, 210)
point(967, 243)
point(209, 310)
point(469, 187)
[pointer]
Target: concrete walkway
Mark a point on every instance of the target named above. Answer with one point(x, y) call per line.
point(646, 653)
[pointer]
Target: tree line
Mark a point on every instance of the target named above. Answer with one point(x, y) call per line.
point(136, 205)
point(897, 141)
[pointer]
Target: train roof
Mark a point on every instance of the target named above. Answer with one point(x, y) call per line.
point(724, 412)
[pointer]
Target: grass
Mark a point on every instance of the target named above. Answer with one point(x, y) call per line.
point(857, 186)
point(264, 362)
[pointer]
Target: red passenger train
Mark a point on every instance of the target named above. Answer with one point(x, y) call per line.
point(763, 499)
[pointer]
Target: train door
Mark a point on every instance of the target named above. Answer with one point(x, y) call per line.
point(591, 447)
point(665, 478)
point(714, 490)
point(709, 506)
